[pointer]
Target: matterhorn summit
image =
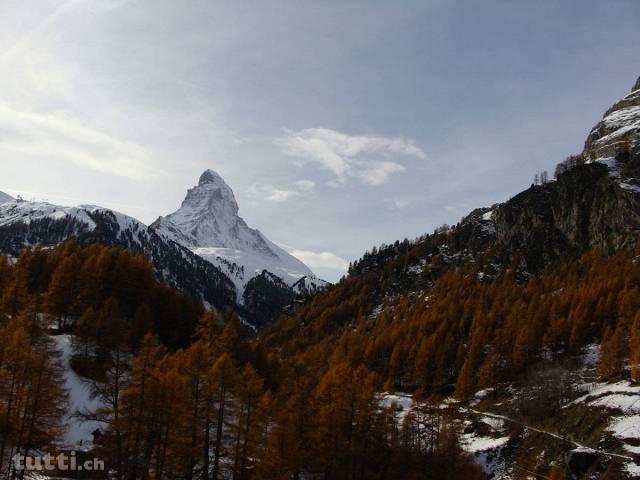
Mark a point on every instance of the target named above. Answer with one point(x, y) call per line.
point(208, 224)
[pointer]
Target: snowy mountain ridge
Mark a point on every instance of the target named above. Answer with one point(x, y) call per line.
point(82, 216)
point(209, 225)
point(29, 224)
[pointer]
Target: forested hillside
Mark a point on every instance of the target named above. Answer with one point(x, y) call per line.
point(467, 334)
point(182, 394)
point(303, 399)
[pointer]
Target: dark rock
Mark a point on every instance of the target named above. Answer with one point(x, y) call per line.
point(480, 428)
point(579, 461)
point(634, 442)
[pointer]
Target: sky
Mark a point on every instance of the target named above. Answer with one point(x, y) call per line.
point(340, 125)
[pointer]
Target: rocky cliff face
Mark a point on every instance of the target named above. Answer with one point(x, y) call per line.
point(585, 208)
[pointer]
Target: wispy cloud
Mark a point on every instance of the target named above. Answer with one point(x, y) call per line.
point(24, 40)
point(275, 194)
point(371, 159)
point(319, 260)
point(66, 137)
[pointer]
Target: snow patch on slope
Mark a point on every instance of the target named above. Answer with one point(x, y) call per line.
point(78, 434)
point(615, 171)
point(403, 404)
point(475, 444)
point(600, 392)
point(621, 122)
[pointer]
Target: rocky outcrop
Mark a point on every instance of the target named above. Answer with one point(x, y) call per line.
point(618, 133)
point(579, 461)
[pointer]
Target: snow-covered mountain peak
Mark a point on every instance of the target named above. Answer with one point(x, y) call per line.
point(212, 193)
point(208, 223)
point(212, 197)
point(211, 177)
point(208, 217)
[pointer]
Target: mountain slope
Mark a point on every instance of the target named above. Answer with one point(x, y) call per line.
point(4, 198)
point(27, 224)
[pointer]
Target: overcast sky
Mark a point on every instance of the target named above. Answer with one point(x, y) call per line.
point(339, 124)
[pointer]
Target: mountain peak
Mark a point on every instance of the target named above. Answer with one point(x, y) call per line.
point(637, 85)
point(208, 223)
point(210, 177)
point(213, 196)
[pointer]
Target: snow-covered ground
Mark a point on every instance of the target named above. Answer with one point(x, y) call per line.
point(620, 395)
point(474, 444)
point(487, 452)
point(403, 403)
point(625, 428)
point(78, 434)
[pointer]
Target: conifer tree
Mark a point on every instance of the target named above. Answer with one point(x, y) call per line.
point(612, 353)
